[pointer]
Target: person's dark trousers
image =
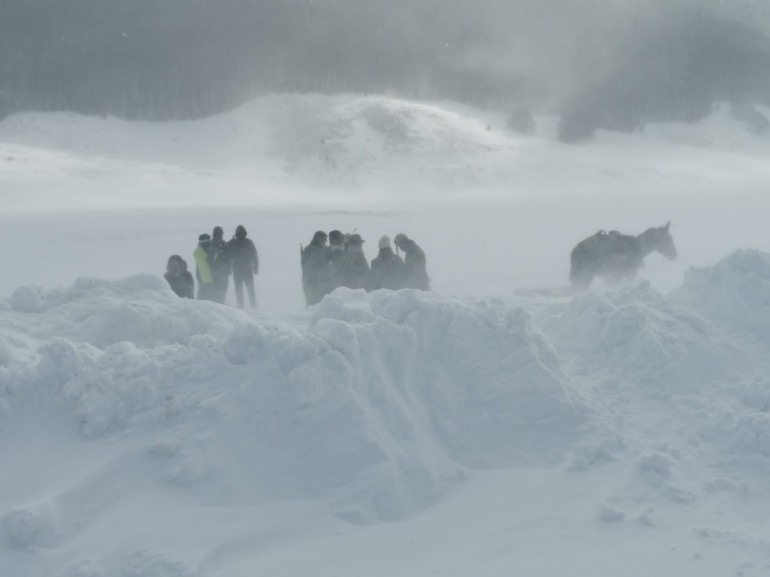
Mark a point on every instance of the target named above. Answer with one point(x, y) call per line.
point(240, 279)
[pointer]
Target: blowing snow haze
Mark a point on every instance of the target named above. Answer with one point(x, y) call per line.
point(491, 427)
point(609, 64)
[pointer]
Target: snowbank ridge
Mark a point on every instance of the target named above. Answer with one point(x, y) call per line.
point(374, 408)
point(374, 405)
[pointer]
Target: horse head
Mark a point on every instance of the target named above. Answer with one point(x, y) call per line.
point(659, 238)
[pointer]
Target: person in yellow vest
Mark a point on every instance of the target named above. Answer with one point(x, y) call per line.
point(203, 270)
point(219, 264)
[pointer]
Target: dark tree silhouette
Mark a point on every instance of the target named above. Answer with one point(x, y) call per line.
point(598, 64)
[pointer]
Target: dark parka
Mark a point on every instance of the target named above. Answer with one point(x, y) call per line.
point(353, 267)
point(316, 271)
point(335, 276)
point(415, 270)
point(387, 271)
point(219, 263)
point(245, 264)
point(202, 268)
point(179, 278)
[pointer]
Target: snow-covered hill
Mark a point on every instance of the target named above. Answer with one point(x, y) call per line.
point(473, 430)
point(362, 150)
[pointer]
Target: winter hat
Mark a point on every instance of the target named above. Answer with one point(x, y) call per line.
point(240, 231)
point(355, 240)
point(320, 236)
point(174, 263)
point(400, 239)
point(204, 236)
point(218, 232)
point(335, 237)
point(385, 242)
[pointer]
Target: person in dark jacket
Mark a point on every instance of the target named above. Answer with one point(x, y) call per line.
point(179, 278)
point(336, 250)
point(354, 268)
point(315, 259)
point(387, 269)
point(415, 271)
point(245, 263)
point(202, 268)
point(219, 263)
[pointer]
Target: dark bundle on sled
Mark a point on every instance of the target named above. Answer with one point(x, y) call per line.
point(616, 257)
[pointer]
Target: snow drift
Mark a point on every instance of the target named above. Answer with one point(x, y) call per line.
point(374, 407)
point(375, 404)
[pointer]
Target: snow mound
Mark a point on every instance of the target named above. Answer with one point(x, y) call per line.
point(374, 408)
point(635, 336)
point(734, 292)
point(369, 137)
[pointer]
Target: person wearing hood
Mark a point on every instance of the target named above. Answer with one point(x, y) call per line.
point(179, 278)
point(415, 271)
point(219, 263)
point(354, 268)
point(245, 264)
point(315, 260)
point(387, 268)
point(202, 268)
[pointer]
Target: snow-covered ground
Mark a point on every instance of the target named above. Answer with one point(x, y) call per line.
point(480, 429)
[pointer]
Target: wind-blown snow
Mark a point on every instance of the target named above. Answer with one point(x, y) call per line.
point(473, 430)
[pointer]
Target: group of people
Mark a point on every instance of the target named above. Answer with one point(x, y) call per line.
point(215, 261)
point(342, 263)
point(325, 267)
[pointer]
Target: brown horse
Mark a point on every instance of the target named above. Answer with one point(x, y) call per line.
point(616, 257)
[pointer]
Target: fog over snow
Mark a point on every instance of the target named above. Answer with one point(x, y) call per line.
point(479, 429)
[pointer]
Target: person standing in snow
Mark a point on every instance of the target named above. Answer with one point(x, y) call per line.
point(315, 260)
point(219, 263)
point(354, 268)
point(336, 250)
point(179, 278)
point(415, 271)
point(387, 268)
point(202, 268)
point(245, 263)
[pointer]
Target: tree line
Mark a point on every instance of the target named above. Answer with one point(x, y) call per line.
point(181, 59)
point(598, 63)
